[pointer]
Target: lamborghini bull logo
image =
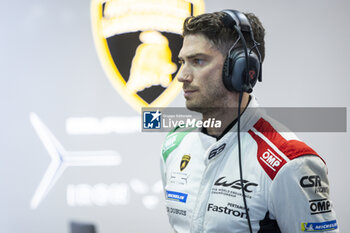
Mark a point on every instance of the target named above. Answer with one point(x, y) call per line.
point(137, 42)
point(152, 63)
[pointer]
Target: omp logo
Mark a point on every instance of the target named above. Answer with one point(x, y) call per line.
point(136, 41)
point(236, 184)
point(310, 181)
point(270, 159)
point(62, 159)
point(320, 206)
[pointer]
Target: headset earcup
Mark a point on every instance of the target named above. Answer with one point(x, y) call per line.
point(254, 69)
point(238, 75)
point(233, 69)
point(233, 74)
point(227, 73)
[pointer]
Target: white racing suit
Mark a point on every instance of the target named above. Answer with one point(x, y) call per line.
point(285, 181)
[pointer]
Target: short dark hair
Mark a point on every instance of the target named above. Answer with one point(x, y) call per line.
point(211, 26)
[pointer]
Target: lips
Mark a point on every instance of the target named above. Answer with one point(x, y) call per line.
point(188, 93)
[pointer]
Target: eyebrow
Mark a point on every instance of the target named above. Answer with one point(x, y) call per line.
point(192, 56)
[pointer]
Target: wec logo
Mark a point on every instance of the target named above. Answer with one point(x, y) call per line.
point(235, 184)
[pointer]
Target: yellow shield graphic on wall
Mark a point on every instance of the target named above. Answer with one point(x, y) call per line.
point(137, 42)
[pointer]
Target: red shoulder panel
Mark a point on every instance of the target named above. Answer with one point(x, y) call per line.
point(295, 148)
point(268, 131)
point(269, 159)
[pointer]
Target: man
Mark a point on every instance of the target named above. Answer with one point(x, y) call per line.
point(284, 185)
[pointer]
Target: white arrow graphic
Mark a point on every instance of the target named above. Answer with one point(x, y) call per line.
point(61, 159)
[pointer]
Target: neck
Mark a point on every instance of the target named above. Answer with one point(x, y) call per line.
point(225, 114)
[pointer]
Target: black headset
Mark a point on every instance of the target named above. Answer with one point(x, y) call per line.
point(242, 68)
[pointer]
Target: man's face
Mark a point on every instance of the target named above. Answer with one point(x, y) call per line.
point(201, 74)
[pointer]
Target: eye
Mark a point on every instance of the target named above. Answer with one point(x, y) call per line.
point(198, 61)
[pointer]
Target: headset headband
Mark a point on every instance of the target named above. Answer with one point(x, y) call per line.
point(239, 20)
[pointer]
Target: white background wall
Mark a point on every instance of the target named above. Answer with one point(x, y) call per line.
point(49, 66)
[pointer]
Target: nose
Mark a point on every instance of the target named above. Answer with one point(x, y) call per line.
point(184, 74)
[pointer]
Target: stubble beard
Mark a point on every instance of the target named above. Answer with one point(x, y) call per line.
point(214, 101)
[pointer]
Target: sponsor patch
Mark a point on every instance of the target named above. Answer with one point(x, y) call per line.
point(319, 226)
point(222, 181)
point(268, 158)
point(176, 211)
point(179, 178)
point(176, 196)
point(216, 151)
point(170, 142)
point(315, 182)
point(226, 210)
point(232, 188)
point(271, 159)
point(184, 161)
point(320, 206)
point(310, 181)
